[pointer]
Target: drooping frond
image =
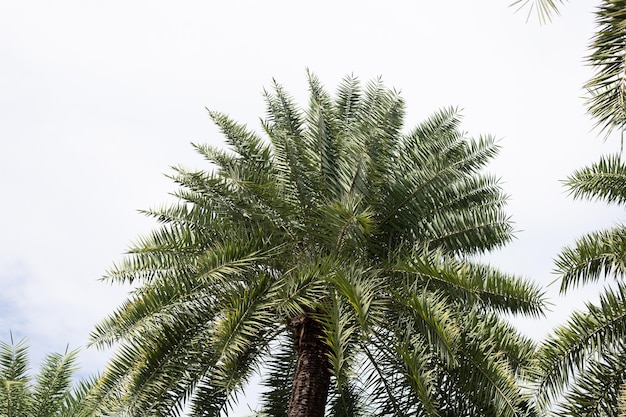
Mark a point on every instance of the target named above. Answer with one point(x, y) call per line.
point(518, 349)
point(341, 332)
point(472, 283)
point(593, 256)
point(396, 374)
point(345, 401)
point(280, 370)
point(483, 365)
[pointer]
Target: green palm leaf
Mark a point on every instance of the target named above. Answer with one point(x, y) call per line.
point(603, 180)
point(607, 88)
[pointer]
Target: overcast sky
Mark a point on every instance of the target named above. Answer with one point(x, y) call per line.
point(99, 99)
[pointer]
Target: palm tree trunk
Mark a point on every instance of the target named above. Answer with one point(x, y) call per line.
point(311, 379)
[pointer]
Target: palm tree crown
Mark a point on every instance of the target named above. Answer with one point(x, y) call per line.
point(51, 392)
point(335, 259)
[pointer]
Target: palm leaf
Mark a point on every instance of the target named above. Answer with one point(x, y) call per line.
point(594, 256)
point(603, 180)
point(607, 87)
point(53, 383)
point(545, 9)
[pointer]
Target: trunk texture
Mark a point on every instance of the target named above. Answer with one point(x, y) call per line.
point(311, 379)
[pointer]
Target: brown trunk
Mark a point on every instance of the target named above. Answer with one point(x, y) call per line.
point(311, 379)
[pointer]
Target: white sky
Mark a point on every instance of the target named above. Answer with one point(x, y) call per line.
point(99, 99)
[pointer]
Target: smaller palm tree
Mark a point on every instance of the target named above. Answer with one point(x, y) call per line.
point(584, 361)
point(50, 393)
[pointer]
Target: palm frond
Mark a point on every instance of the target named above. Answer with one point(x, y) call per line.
point(517, 349)
point(544, 9)
point(340, 334)
point(363, 290)
point(162, 380)
point(428, 176)
point(604, 180)
point(345, 401)
point(607, 88)
point(597, 390)
point(284, 126)
point(568, 349)
point(280, 370)
point(240, 331)
point(82, 401)
point(14, 378)
point(348, 102)
point(434, 319)
point(593, 256)
point(324, 142)
point(344, 226)
point(483, 365)
point(181, 294)
point(472, 283)
point(397, 375)
point(14, 360)
point(52, 392)
point(246, 144)
point(53, 383)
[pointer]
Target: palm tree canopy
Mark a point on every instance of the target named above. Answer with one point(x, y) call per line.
point(583, 361)
point(340, 219)
point(50, 393)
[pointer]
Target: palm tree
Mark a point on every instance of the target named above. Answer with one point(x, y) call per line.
point(583, 362)
point(50, 394)
point(337, 260)
point(606, 100)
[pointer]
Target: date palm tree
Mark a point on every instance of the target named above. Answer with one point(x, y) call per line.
point(49, 394)
point(337, 260)
point(606, 99)
point(583, 362)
